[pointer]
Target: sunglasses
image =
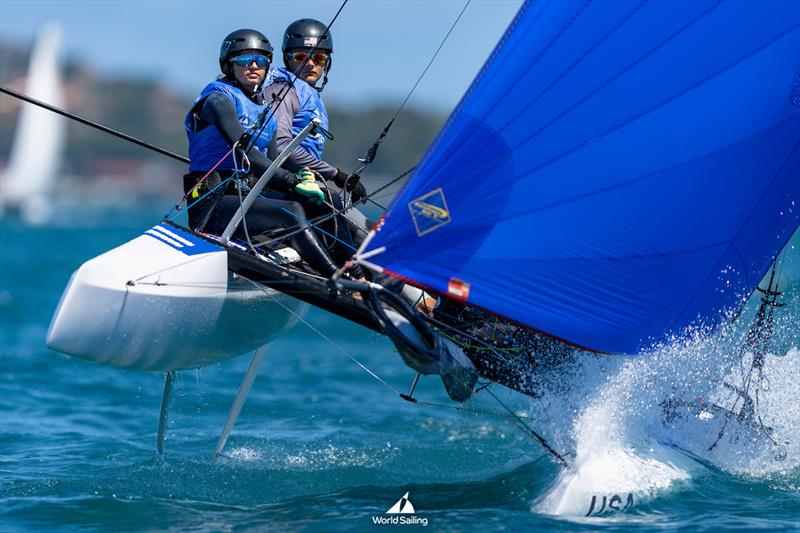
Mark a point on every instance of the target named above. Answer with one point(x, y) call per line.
point(320, 58)
point(246, 60)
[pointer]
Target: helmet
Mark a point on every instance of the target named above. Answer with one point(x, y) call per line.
point(241, 40)
point(307, 33)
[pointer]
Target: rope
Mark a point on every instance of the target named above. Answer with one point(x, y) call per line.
point(530, 430)
point(370, 154)
point(757, 340)
point(513, 417)
point(93, 124)
point(334, 212)
point(259, 125)
point(323, 336)
point(265, 117)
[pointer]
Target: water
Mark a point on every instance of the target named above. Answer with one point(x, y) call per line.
point(320, 445)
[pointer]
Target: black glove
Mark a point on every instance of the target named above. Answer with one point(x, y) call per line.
point(357, 191)
point(351, 184)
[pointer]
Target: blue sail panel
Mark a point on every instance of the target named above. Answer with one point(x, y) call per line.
point(616, 173)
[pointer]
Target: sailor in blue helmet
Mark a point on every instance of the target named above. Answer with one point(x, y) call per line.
point(227, 112)
point(307, 55)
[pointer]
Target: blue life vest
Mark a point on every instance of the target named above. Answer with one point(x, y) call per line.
point(311, 107)
point(207, 146)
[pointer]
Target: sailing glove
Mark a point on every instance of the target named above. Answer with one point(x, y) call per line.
point(351, 184)
point(308, 188)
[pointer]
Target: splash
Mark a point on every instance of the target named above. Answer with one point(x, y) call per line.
point(243, 453)
point(644, 426)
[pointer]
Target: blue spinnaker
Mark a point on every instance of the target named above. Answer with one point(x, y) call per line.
point(617, 173)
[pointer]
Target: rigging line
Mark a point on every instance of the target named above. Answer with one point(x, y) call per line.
point(266, 117)
point(301, 227)
point(369, 156)
point(452, 27)
point(244, 219)
point(393, 181)
point(231, 152)
point(514, 417)
point(293, 230)
point(474, 338)
point(95, 125)
point(530, 430)
point(187, 284)
point(325, 337)
point(178, 265)
point(309, 223)
point(174, 213)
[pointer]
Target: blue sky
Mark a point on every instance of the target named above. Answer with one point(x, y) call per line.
point(381, 46)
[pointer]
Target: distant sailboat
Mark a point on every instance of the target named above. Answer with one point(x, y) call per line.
point(40, 135)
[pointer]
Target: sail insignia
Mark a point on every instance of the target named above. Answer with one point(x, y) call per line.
point(632, 166)
point(429, 212)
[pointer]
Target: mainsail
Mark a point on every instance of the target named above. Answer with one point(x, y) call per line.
point(617, 172)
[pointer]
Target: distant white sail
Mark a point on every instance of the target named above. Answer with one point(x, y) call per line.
point(40, 135)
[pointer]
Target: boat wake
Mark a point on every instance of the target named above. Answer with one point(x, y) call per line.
point(644, 426)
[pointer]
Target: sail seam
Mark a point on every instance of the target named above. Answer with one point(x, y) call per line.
point(645, 112)
point(738, 232)
point(448, 123)
point(589, 51)
point(643, 177)
point(492, 163)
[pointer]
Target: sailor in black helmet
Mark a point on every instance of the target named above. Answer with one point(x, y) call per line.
point(225, 111)
point(307, 55)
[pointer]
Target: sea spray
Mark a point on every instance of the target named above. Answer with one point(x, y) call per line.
point(631, 444)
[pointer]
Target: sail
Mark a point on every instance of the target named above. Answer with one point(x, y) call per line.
point(40, 135)
point(616, 173)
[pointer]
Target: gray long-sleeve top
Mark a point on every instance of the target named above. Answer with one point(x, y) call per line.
point(284, 115)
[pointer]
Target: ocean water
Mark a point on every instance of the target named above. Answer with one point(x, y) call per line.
point(322, 446)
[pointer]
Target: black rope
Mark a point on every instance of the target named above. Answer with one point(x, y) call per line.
point(95, 125)
point(315, 222)
point(534, 434)
point(370, 154)
point(757, 341)
point(268, 113)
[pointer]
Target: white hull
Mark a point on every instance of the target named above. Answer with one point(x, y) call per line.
point(165, 301)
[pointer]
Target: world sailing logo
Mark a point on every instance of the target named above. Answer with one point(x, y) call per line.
point(429, 212)
point(402, 513)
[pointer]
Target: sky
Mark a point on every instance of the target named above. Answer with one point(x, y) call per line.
point(380, 46)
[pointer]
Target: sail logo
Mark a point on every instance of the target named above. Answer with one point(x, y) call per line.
point(429, 212)
point(182, 241)
point(401, 513)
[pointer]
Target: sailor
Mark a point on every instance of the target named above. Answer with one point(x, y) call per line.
point(307, 56)
point(295, 88)
point(229, 114)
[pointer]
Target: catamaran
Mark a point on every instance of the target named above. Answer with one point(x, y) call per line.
point(618, 176)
